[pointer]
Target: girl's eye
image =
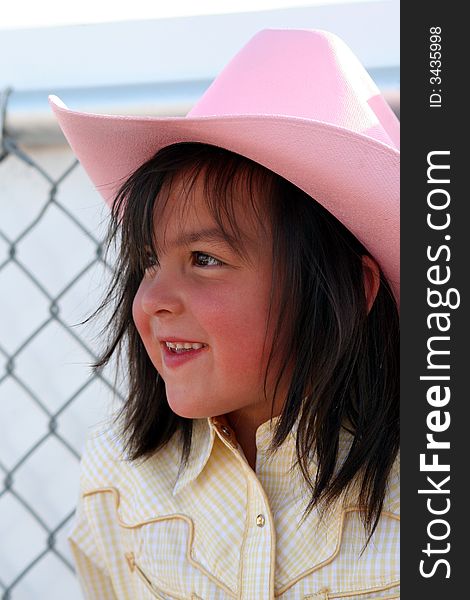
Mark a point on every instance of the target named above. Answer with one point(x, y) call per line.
point(205, 260)
point(200, 259)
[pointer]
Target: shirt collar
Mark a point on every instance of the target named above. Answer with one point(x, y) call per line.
point(202, 442)
point(206, 430)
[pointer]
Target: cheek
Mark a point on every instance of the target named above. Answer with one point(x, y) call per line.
point(235, 321)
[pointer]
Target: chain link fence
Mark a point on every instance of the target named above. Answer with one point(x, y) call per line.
point(52, 275)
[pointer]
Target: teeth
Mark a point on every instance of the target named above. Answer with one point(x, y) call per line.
point(180, 346)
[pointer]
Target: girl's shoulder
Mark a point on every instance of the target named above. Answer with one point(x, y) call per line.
point(104, 463)
point(102, 454)
point(392, 492)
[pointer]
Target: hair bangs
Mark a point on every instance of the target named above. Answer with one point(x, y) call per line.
point(228, 181)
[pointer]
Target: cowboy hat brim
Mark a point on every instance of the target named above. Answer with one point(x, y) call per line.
point(354, 176)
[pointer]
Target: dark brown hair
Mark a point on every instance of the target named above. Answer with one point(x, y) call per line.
point(345, 360)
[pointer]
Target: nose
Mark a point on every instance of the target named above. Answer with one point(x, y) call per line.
point(160, 294)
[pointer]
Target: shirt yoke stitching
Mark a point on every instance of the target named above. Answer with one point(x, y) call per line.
point(185, 518)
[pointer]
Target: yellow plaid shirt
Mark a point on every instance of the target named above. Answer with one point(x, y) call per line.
point(219, 530)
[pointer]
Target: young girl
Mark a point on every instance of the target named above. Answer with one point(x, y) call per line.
point(255, 456)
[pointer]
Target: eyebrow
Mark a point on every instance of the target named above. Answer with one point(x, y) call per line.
point(190, 237)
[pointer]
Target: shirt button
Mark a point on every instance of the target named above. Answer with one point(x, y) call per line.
point(260, 520)
point(226, 431)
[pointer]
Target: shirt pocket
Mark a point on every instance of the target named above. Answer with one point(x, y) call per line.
point(160, 555)
point(146, 588)
point(352, 570)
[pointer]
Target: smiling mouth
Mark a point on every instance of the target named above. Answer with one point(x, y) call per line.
point(174, 357)
point(182, 347)
point(182, 350)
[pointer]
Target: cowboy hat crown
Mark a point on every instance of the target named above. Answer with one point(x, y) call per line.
point(305, 74)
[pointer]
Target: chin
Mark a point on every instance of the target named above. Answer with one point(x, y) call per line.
point(187, 409)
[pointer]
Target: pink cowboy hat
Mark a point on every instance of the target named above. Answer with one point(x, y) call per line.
point(298, 102)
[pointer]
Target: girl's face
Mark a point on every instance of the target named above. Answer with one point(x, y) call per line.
point(203, 293)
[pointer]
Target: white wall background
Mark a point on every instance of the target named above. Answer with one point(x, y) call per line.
point(153, 67)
